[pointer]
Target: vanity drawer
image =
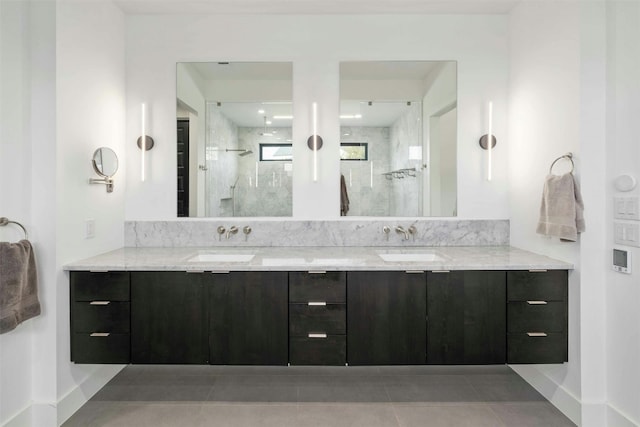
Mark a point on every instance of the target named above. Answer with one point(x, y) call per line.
point(107, 286)
point(111, 348)
point(331, 350)
point(548, 348)
point(101, 316)
point(525, 316)
point(550, 285)
point(330, 319)
point(330, 286)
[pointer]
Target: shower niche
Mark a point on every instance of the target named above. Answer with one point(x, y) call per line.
point(240, 157)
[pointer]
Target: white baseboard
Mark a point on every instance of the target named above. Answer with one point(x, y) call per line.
point(77, 397)
point(21, 419)
point(567, 403)
point(615, 418)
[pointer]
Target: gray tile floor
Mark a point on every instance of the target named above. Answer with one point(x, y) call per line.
point(403, 396)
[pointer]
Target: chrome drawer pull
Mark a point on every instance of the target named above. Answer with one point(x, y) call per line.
point(537, 271)
point(440, 271)
point(414, 271)
point(99, 302)
point(100, 334)
point(317, 335)
point(317, 272)
point(536, 334)
point(316, 303)
point(537, 302)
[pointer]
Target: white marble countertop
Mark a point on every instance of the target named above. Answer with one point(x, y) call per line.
point(318, 258)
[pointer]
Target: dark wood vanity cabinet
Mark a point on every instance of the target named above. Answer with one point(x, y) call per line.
point(100, 317)
point(169, 317)
point(386, 318)
point(317, 318)
point(466, 317)
point(248, 319)
point(537, 316)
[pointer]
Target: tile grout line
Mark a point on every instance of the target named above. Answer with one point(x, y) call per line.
point(393, 406)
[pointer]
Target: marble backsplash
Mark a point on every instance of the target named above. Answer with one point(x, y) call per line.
point(202, 232)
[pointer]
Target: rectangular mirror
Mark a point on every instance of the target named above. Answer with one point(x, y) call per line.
point(398, 127)
point(234, 135)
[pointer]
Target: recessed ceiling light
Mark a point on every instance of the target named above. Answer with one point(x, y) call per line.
point(268, 122)
point(282, 117)
point(260, 111)
point(350, 116)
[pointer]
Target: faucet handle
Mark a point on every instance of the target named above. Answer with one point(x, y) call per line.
point(221, 230)
point(386, 230)
point(413, 231)
point(246, 230)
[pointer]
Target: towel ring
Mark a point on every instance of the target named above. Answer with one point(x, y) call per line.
point(4, 221)
point(568, 156)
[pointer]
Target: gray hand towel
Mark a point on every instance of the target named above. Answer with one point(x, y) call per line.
point(562, 209)
point(18, 285)
point(344, 197)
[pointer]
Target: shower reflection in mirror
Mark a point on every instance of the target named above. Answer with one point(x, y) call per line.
point(241, 163)
point(404, 113)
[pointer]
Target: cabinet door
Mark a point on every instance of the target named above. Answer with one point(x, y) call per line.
point(168, 318)
point(466, 317)
point(249, 318)
point(386, 318)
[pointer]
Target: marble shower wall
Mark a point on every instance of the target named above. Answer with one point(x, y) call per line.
point(344, 232)
point(406, 193)
point(222, 166)
point(264, 187)
point(367, 188)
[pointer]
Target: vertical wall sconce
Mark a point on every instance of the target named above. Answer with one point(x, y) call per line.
point(145, 143)
point(489, 141)
point(314, 142)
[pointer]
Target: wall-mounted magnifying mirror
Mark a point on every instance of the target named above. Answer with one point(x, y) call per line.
point(398, 137)
point(234, 122)
point(105, 164)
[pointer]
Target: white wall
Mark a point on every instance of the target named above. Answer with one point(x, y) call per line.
point(90, 106)
point(623, 156)
point(544, 119)
point(557, 105)
point(15, 91)
point(155, 43)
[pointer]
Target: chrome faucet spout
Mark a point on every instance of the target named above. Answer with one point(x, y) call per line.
point(400, 230)
point(232, 230)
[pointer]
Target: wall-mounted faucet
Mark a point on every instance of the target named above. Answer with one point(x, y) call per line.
point(232, 230)
point(386, 230)
point(400, 230)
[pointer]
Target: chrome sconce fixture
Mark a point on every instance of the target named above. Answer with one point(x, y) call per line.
point(145, 143)
point(489, 141)
point(314, 142)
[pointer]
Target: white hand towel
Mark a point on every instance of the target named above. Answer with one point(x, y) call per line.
point(562, 209)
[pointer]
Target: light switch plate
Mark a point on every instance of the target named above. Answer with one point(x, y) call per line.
point(89, 229)
point(626, 208)
point(627, 234)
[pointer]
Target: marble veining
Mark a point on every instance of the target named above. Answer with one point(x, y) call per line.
point(317, 258)
point(336, 233)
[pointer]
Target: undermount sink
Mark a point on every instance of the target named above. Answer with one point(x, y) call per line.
point(211, 257)
point(409, 256)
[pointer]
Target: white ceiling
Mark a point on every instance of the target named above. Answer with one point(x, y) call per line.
point(244, 70)
point(313, 7)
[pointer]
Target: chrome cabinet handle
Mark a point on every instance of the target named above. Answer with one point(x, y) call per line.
point(533, 302)
point(316, 303)
point(100, 334)
point(99, 302)
point(536, 334)
point(317, 335)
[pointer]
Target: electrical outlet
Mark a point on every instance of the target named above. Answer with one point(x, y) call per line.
point(89, 229)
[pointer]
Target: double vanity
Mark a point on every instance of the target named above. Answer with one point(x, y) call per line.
point(319, 306)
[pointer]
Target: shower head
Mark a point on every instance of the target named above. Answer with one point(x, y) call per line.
point(243, 152)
